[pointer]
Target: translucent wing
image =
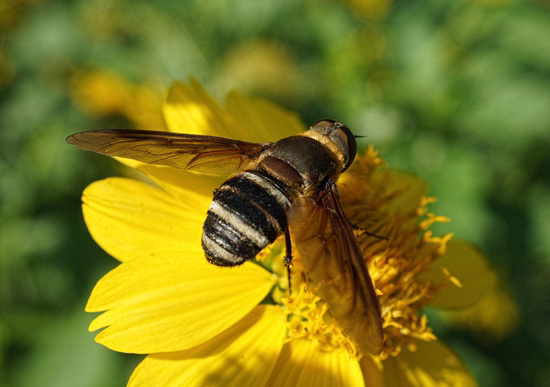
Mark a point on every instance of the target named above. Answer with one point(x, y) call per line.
point(335, 264)
point(185, 151)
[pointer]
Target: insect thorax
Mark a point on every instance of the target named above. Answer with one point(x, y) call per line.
point(299, 162)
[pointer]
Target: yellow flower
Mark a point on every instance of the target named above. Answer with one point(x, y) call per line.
point(205, 325)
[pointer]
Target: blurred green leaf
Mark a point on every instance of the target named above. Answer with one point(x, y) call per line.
point(64, 354)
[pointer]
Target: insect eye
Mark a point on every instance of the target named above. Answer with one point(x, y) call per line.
point(334, 131)
point(352, 144)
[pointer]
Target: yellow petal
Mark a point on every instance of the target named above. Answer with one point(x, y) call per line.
point(412, 190)
point(491, 319)
point(262, 121)
point(303, 363)
point(243, 355)
point(174, 302)
point(131, 219)
point(467, 264)
point(432, 364)
point(189, 109)
point(181, 184)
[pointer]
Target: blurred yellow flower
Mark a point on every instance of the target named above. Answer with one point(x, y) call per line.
point(205, 325)
point(370, 9)
point(493, 318)
point(259, 65)
point(104, 93)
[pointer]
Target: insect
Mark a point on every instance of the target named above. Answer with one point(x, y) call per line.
point(285, 187)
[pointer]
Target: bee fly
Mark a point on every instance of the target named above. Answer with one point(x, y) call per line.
point(283, 187)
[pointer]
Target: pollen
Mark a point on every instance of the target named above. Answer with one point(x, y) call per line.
point(307, 317)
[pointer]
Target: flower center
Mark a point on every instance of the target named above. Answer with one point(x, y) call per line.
point(385, 204)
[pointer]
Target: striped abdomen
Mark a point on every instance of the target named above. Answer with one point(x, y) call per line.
point(246, 214)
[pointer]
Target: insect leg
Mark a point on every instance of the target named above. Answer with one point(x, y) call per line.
point(363, 231)
point(288, 258)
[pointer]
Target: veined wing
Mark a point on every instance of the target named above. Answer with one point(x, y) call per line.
point(184, 151)
point(334, 263)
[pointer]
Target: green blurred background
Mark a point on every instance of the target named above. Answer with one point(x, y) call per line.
point(457, 92)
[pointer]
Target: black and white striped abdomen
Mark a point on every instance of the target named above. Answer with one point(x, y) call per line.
point(246, 214)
